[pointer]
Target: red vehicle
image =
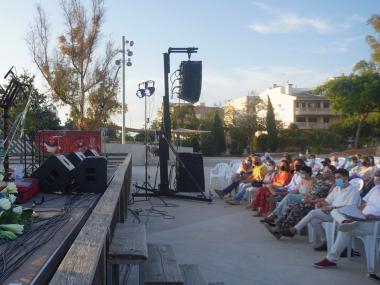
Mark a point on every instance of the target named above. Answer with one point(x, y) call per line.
point(66, 141)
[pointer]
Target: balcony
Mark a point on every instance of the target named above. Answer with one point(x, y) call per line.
point(307, 125)
point(312, 111)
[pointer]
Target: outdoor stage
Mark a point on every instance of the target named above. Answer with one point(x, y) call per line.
point(33, 257)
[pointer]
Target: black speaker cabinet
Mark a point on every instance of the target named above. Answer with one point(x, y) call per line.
point(190, 74)
point(91, 175)
point(75, 157)
point(91, 152)
point(54, 175)
point(186, 179)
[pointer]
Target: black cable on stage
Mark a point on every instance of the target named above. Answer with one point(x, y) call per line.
point(17, 251)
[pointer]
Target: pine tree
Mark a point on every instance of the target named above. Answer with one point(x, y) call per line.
point(217, 133)
point(271, 127)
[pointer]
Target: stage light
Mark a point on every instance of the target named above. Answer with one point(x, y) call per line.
point(140, 93)
point(129, 52)
point(118, 62)
point(129, 63)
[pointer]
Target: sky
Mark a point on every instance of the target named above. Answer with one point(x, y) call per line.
point(244, 45)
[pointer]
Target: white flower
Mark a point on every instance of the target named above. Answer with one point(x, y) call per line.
point(12, 198)
point(17, 210)
point(11, 188)
point(5, 204)
point(14, 228)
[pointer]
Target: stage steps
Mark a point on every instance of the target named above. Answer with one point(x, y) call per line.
point(157, 262)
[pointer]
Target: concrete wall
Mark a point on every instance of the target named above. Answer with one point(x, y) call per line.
point(138, 152)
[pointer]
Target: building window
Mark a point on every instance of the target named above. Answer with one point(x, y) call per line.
point(326, 120)
point(312, 119)
point(311, 105)
point(300, 119)
point(297, 105)
point(326, 105)
point(318, 105)
point(302, 104)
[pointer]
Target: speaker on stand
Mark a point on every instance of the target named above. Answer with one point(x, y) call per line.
point(190, 78)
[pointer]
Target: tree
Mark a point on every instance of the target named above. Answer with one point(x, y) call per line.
point(244, 126)
point(355, 95)
point(41, 114)
point(217, 132)
point(74, 74)
point(271, 127)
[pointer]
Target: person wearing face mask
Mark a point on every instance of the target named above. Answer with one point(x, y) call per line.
point(366, 171)
point(295, 196)
point(251, 188)
point(297, 211)
point(343, 194)
point(352, 166)
point(315, 166)
point(282, 178)
point(348, 228)
point(256, 177)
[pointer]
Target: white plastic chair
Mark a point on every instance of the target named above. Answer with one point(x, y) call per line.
point(231, 172)
point(358, 182)
point(371, 247)
point(218, 176)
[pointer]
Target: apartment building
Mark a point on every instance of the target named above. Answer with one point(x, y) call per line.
point(244, 104)
point(299, 106)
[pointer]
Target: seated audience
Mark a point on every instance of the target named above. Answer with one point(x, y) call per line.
point(315, 166)
point(282, 178)
point(349, 228)
point(251, 188)
point(295, 212)
point(343, 194)
point(258, 172)
point(366, 170)
point(298, 194)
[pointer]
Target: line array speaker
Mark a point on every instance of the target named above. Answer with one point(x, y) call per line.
point(190, 74)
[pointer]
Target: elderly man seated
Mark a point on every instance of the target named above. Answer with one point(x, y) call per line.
point(343, 194)
point(315, 166)
point(258, 172)
point(370, 209)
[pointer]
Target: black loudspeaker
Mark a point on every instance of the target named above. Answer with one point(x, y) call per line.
point(91, 175)
point(91, 152)
point(54, 175)
point(75, 157)
point(186, 179)
point(190, 75)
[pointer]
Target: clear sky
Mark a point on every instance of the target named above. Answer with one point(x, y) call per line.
point(244, 45)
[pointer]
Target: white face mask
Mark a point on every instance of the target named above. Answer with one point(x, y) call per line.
point(312, 160)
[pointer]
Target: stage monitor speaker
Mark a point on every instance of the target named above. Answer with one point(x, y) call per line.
point(91, 175)
point(54, 175)
point(194, 164)
point(91, 152)
point(75, 157)
point(190, 76)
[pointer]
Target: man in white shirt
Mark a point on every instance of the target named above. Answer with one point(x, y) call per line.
point(343, 194)
point(347, 228)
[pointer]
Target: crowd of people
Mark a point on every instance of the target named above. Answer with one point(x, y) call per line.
point(292, 194)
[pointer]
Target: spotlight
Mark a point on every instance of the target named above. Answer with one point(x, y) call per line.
point(140, 93)
point(129, 52)
point(129, 63)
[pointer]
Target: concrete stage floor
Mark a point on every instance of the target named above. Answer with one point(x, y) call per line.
point(231, 245)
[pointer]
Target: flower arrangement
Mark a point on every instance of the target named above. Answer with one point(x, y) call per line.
point(13, 218)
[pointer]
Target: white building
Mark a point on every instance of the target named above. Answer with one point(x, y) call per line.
point(244, 104)
point(299, 106)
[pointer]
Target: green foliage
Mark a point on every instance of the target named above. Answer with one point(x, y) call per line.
point(271, 127)
point(183, 116)
point(217, 132)
point(355, 96)
point(316, 140)
point(40, 115)
point(244, 126)
point(208, 146)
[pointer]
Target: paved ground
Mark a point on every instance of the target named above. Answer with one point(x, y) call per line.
point(232, 246)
